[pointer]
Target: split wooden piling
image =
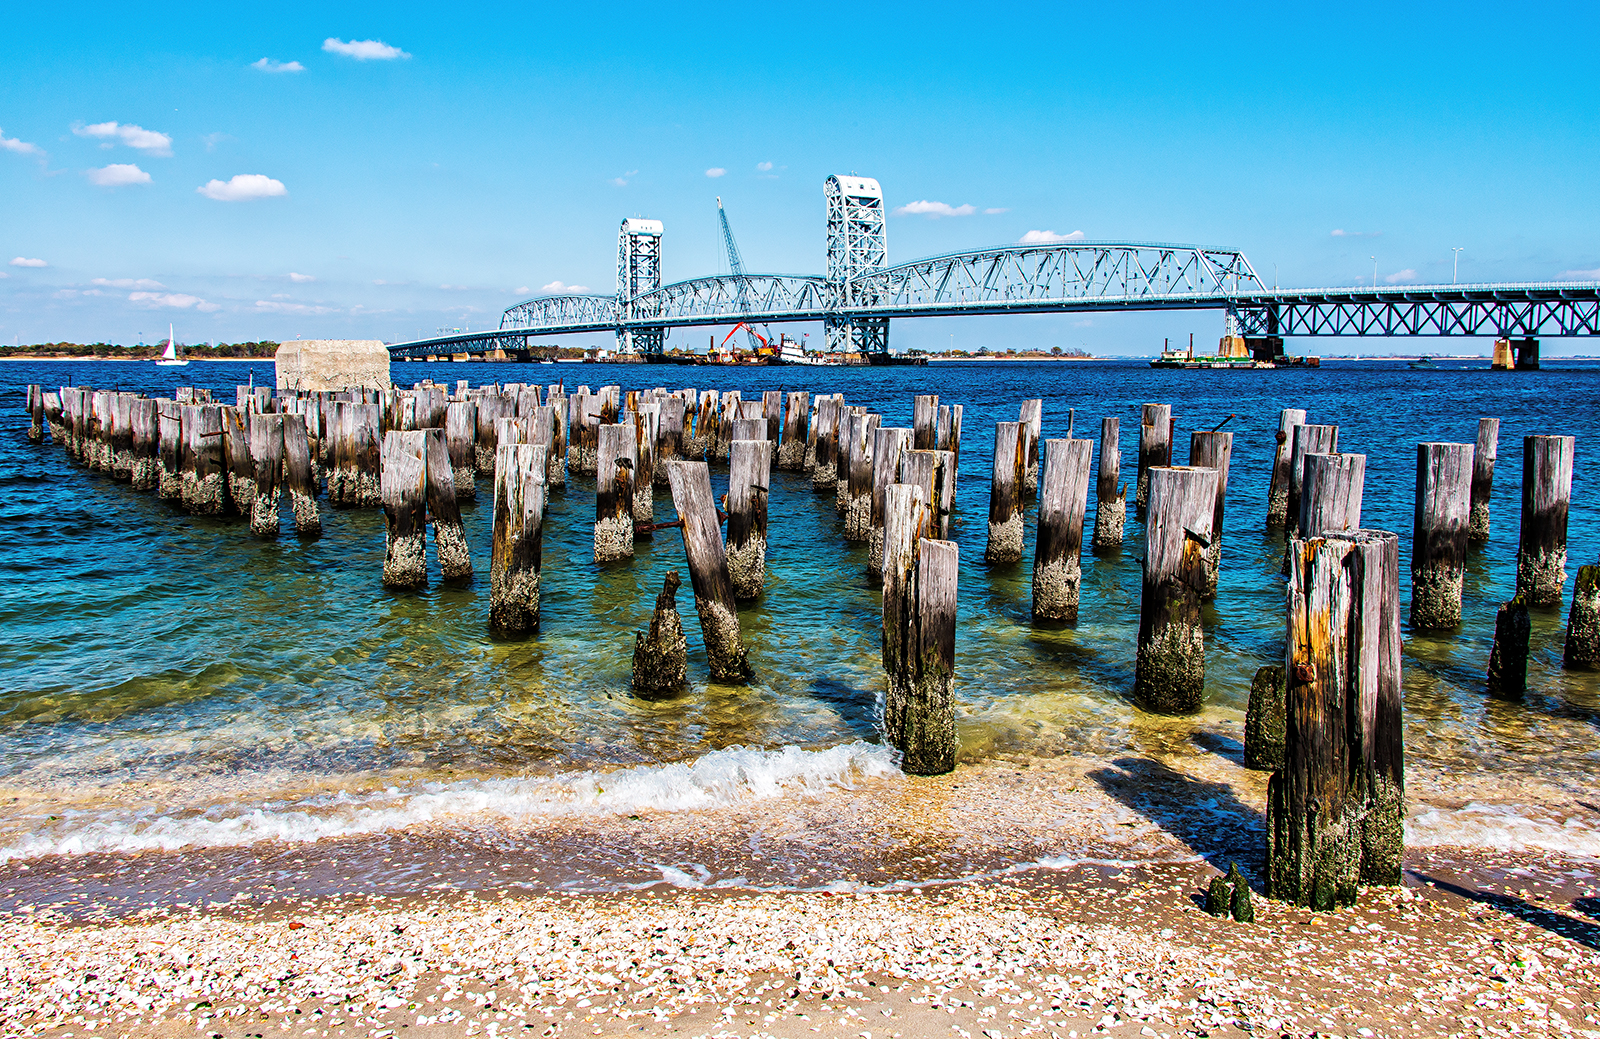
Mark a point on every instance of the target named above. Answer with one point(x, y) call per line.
point(1031, 415)
point(772, 411)
point(950, 440)
point(726, 414)
point(1155, 449)
point(856, 480)
point(461, 432)
point(1484, 453)
point(555, 467)
point(796, 423)
point(266, 456)
point(404, 487)
point(490, 408)
point(613, 503)
point(240, 473)
point(449, 536)
point(749, 481)
point(299, 479)
point(1546, 496)
point(35, 406)
point(1308, 439)
point(888, 447)
point(935, 473)
point(647, 421)
point(661, 658)
point(1005, 495)
point(919, 619)
point(1058, 548)
point(1170, 667)
point(708, 571)
point(925, 422)
point(1278, 514)
point(1110, 493)
point(516, 556)
point(669, 439)
point(1335, 810)
point(1213, 450)
point(1439, 534)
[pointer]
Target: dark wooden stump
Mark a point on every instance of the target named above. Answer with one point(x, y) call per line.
point(1484, 453)
point(1582, 651)
point(1308, 439)
point(613, 504)
point(889, 445)
point(1439, 534)
point(1170, 668)
point(1155, 449)
point(1283, 454)
point(749, 480)
point(796, 423)
point(925, 422)
point(1264, 720)
point(1335, 810)
point(1058, 549)
point(661, 658)
point(299, 479)
point(1546, 495)
point(404, 487)
point(708, 571)
point(1508, 658)
point(1212, 450)
point(1031, 416)
point(1111, 495)
point(1005, 495)
point(449, 537)
point(517, 554)
point(266, 453)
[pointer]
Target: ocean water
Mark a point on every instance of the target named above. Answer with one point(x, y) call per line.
point(171, 682)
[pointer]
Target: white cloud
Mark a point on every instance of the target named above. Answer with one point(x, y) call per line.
point(290, 308)
point(521, 290)
point(1399, 276)
point(11, 144)
point(622, 181)
point(3, 274)
point(117, 175)
point(1046, 237)
point(214, 139)
point(934, 210)
point(1341, 233)
point(715, 171)
point(558, 288)
point(993, 210)
point(23, 261)
point(363, 50)
point(1589, 275)
point(268, 65)
point(129, 134)
point(175, 300)
point(129, 283)
point(456, 288)
point(301, 277)
point(764, 166)
point(243, 187)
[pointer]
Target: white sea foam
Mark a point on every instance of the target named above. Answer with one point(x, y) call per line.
point(1503, 828)
point(719, 778)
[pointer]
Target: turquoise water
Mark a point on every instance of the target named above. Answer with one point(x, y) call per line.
point(161, 670)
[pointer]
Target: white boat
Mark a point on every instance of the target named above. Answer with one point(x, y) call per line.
point(170, 358)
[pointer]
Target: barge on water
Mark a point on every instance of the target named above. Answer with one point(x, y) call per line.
point(1234, 351)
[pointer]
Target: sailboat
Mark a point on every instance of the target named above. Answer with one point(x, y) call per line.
point(170, 358)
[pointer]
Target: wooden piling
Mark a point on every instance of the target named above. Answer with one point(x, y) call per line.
point(708, 571)
point(1546, 496)
point(1005, 495)
point(857, 479)
point(555, 468)
point(1439, 534)
point(1331, 494)
point(701, 441)
point(888, 447)
point(449, 537)
point(1308, 439)
point(1111, 495)
point(490, 408)
point(100, 424)
point(516, 557)
point(266, 456)
point(1264, 720)
point(925, 422)
point(169, 452)
point(1058, 548)
point(772, 411)
point(1031, 415)
point(1213, 450)
point(1155, 449)
point(146, 472)
point(1335, 810)
point(1170, 668)
point(824, 475)
point(1278, 514)
point(726, 414)
point(299, 479)
point(1582, 649)
point(35, 407)
point(461, 432)
point(240, 466)
point(613, 503)
point(204, 490)
point(850, 419)
point(661, 658)
point(1508, 657)
point(749, 481)
point(647, 419)
point(934, 472)
point(53, 416)
point(669, 439)
point(919, 613)
point(403, 483)
point(122, 436)
point(796, 423)
point(1483, 456)
point(949, 439)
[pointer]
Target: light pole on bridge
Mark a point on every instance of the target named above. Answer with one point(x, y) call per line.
point(1455, 266)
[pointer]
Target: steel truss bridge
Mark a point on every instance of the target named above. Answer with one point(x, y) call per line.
point(862, 293)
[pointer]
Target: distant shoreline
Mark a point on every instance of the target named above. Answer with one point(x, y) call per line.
point(134, 360)
point(934, 360)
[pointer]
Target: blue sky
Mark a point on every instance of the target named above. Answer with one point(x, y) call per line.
point(161, 171)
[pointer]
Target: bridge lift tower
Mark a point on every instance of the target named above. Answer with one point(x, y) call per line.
point(638, 272)
point(858, 244)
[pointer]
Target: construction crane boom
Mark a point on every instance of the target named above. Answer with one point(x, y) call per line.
point(741, 286)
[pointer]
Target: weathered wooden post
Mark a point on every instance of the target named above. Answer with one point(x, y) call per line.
point(661, 658)
point(613, 502)
point(1058, 548)
point(796, 422)
point(749, 429)
point(701, 439)
point(122, 436)
point(1111, 495)
point(240, 468)
point(404, 486)
point(1330, 500)
point(1309, 439)
point(1483, 456)
point(1582, 650)
point(725, 418)
point(1508, 658)
point(1439, 534)
point(517, 553)
point(100, 419)
point(461, 432)
point(490, 408)
point(950, 440)
point(925, 422)
point(749, 479)
point(1031, 415)
point(169, 429)
point(1005, 495)
point(888, 447)
point(1335, 810)
point(708, 571)
point(1170, 668)
point(53, 417)
point(449, 537)
point(935, 473)
point(647, 419)
point(266, 454)
point(1264, 720)
point(35, 413)
point(772, 411)
point(146, 472)
point(824, 475)
point(299, 479)
point(204, 490)
point(669, 439)
point(1213, 450)
point(857, 479)
point(919, 619)
point(1155, 449)
point(1546, 495)
point(1278, 514)
point(555, 468)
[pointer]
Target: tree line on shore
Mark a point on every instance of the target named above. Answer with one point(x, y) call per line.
point(111, 351)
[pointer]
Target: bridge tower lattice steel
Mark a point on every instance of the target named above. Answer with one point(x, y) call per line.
point(858, 244)
point(638, 273)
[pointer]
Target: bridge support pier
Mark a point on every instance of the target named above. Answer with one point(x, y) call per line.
point(856, 335)
point(1527, 351)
